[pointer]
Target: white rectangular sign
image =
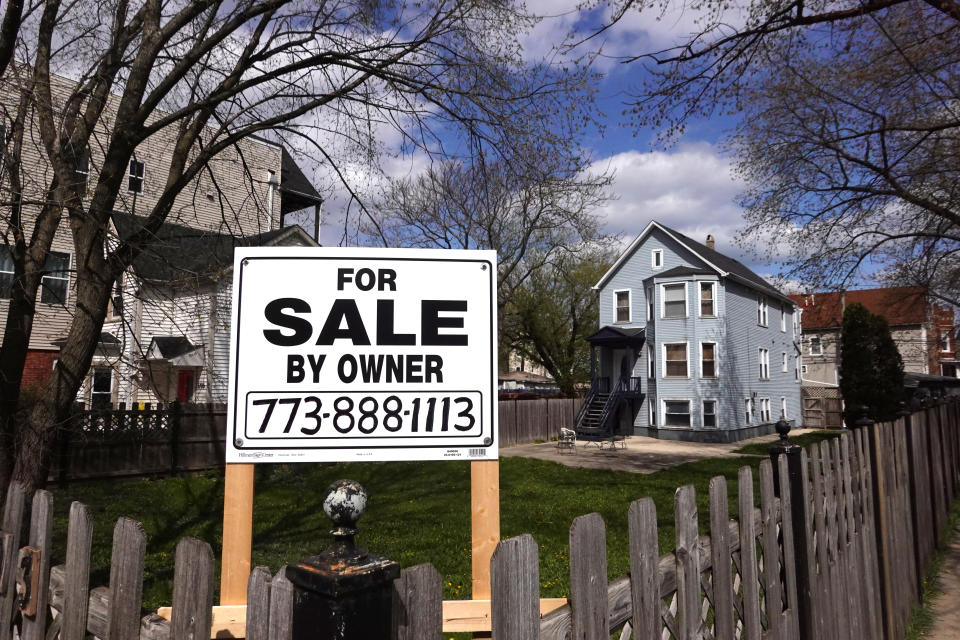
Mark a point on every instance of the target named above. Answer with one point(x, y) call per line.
point(342, 354)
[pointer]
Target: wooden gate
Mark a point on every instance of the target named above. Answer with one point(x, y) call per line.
point(822, 408)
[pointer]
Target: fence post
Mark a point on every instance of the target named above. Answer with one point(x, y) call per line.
point(344, 593)
point(174, 417)
point(914, 496)
point(800, 522)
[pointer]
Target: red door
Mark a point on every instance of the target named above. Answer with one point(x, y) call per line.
point(185, 384)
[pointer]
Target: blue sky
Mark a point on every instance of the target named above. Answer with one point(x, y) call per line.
point(687, 186)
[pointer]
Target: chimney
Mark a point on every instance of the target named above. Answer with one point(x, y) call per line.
point(710, 241)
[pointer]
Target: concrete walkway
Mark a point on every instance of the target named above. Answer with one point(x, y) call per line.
point(946, 607)
point(641, 455)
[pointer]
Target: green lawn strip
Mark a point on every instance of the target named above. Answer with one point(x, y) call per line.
point(922, 618)
point(802, 440)
point(417, 512)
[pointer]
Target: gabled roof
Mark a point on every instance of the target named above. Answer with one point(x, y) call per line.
point(176, 253)
point(296, 191)
point(899, 305)
point(723, 265)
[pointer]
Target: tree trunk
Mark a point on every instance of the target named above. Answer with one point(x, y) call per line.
point(39, 426)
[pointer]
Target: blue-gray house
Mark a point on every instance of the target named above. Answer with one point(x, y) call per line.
point(692, 345)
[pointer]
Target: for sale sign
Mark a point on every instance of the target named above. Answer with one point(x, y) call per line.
point(342, 354)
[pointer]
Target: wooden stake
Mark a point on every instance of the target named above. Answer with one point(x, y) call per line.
point(485, 521)
point(237, 533)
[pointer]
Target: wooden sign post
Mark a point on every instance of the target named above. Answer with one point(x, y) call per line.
point(485, 522)
point(237, 533)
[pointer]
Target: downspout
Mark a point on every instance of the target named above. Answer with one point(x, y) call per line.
point(316, 222)
point(271, 185)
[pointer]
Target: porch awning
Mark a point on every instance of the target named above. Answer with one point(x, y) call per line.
point(177, 351)
point(611, 336)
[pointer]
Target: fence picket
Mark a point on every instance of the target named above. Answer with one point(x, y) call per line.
point(748, 557)
point(829, 570)
point(791, 597)
point(644, 570)
point(515, 582)
point(76, 590)
point(11, 525)
point(126, 580)
point(281, 607)
point(770, 577)
point(688, 563)
point(41, 528)
point(258, 604)
point(417, 603)
point(190, 617)
point(720, 557)
point(588, 578)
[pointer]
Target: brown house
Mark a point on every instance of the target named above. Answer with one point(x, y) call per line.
point(922, 330)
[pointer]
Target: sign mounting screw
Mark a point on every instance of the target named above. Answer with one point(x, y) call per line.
point(238, 442)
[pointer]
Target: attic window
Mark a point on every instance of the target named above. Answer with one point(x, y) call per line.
point(656, 258)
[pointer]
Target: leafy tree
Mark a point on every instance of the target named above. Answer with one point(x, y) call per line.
point(553, 312)
point(333, 77)
point(871, 370)
point(847, 134)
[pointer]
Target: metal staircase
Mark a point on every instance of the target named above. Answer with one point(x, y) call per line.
point(595, 421)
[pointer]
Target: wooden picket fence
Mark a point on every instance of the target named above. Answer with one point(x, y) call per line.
point(837, 554)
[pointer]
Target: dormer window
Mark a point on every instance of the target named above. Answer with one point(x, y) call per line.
point(656, 259)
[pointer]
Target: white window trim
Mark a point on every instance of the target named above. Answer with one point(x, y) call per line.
point(703, 412)
point(819, 351)
point(803, 368)
point(783, 318)
point(713, 286)
point(946, 343)
point(663, 412)
point(763, 311)
point(651, 362)
point(765, 414)
point(66, 296)
point(663, 301)
point(763, 360)
point(716, 360)
point(653, 259)
point(783, 407)
point(629, 306)
point(143, 179)
point(663, 361)
point(649, 294)
point(748, 406)
point(784, 363)
point(651, 414)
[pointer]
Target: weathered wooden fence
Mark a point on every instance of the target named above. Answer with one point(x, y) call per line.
point(174, 438)
point(523, 421)
point(161, 439)
point(839, 554)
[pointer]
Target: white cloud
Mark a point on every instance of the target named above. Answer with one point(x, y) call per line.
point(689, 189)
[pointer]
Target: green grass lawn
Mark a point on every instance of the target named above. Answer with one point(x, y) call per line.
point(417, 512)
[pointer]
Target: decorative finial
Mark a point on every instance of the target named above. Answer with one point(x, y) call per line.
point(783, 428)
point(345, 503)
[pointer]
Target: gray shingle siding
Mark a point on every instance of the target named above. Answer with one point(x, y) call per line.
point(734, 330)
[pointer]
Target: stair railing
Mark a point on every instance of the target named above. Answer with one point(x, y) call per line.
point(613, 401)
